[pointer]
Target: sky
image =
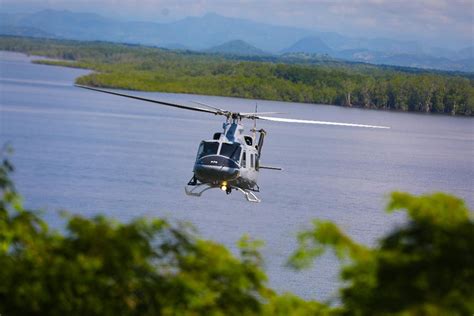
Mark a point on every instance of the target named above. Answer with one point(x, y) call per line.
point(441, 22)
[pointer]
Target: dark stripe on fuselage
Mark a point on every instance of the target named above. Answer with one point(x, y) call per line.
point(214, 169)
point(215, 160)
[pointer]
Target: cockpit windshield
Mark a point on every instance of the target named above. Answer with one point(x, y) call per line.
point(207, 148)
point(231, 150)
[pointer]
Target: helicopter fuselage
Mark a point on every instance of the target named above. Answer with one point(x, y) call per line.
point(229, 160)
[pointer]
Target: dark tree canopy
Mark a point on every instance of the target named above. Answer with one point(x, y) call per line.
point(425, 267)
point(101, 267)
point(151, 267)
point(146, 267)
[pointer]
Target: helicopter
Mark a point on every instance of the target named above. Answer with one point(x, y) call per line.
point(231, 159)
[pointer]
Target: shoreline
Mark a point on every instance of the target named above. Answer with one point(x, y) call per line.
point(70, 64)
point(85, 80)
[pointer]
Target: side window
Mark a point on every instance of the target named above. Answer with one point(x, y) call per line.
point(256, 162)
point(236, 154)
point(244, 160)
point(248, 140)
point(251, 160)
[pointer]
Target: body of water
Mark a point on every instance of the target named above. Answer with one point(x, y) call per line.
point(93, 153)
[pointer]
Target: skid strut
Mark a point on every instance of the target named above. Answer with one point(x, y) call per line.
point(197, 189)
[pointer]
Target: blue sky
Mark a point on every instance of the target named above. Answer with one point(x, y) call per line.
point(438, 22)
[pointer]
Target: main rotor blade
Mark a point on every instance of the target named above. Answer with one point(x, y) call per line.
point(179, 106)
point(288, 120)
point(252, 114)
point(210, 106)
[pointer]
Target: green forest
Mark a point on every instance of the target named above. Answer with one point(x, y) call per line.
point(136, 67)
point(99, 266)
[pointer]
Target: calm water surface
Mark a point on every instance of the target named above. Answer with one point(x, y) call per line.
point(93, 153)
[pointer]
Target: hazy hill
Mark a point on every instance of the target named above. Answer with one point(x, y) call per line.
point(66, 24)
point(192, 32)
point(420, 60)
point(237, 47)
point(211, 30)
point(311, 44)
point(466, 53)
point(25, 31)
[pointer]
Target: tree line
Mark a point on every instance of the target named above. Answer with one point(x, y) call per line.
point(143, 68)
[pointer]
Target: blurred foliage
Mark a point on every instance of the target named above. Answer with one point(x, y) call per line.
point(425, 267)
point(145, 267)
point(150, 267)
point(314, 80)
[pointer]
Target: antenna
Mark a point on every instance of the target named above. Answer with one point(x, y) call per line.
point(255, 122)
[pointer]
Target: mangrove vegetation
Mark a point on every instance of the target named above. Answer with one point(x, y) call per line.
point(309, 80)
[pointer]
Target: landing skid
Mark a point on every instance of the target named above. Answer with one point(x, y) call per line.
point(249, 195)
point(198, 189)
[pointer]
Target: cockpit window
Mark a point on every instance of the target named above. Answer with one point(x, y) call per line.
point(231, 150)
point(207, 148)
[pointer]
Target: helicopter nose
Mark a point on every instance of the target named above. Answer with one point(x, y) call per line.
point(216, 168)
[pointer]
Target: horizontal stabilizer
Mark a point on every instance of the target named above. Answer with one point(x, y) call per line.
point(270, 168)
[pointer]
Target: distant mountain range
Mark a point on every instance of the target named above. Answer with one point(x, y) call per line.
point(237, 47)
point(219, 34)
point(311, 45)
